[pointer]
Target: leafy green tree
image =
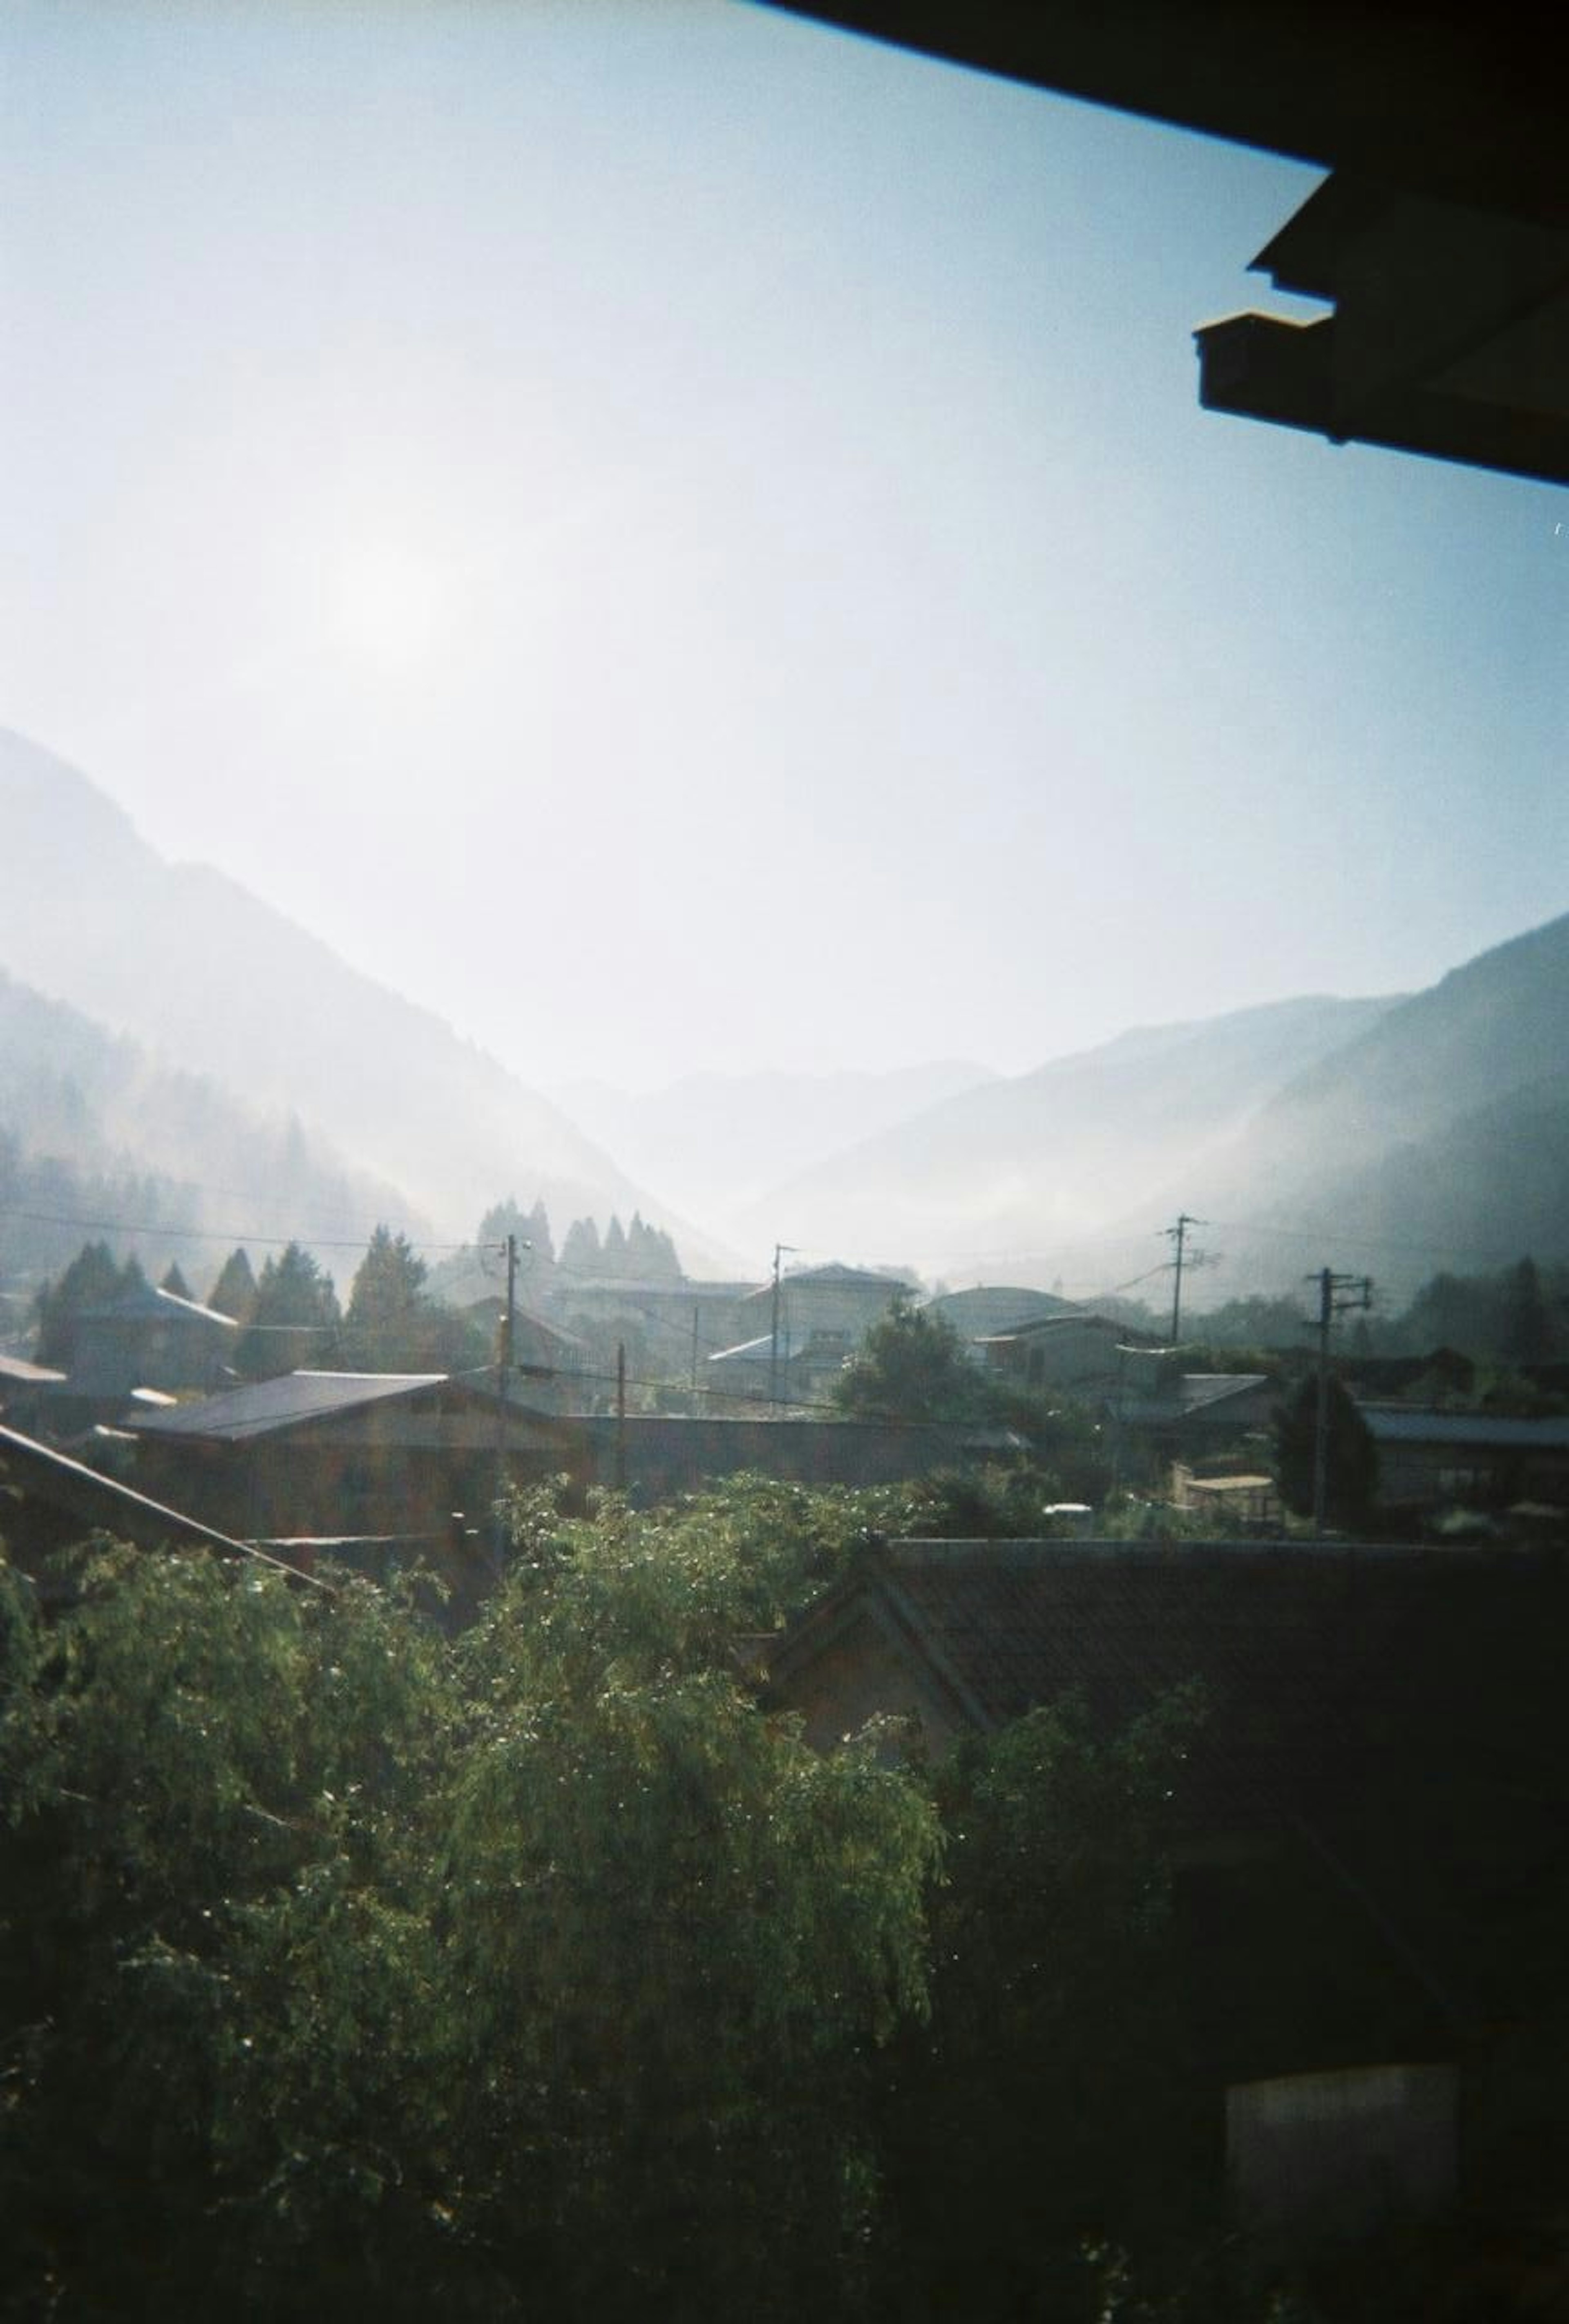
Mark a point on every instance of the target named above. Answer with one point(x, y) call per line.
point(1350, 1458)
point(1052, 2096)
point(536, 1974)
point(175, 1283)
point(910, 1366)
point(234, 1291)
point(295, 1322)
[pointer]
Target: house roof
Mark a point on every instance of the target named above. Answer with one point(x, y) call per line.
point(996, 1308)
point(1443, 234)
point(835, 1276)
point(1193, 1393)
point(1295, 1645)
point(22, 1374)
point(1041, 1328)
point(145, 1302)
point(1482, 1430)
point(100, 1504)
point(264, 1405)
point(793, 1345)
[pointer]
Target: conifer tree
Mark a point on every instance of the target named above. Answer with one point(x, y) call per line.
point(234, 1291)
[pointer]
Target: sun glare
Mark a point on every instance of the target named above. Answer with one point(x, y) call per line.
point(389, 604)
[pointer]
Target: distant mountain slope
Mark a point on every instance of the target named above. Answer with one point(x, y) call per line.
point(215, 981)
point(1036, 1163)
point(78, 1093)
point(713, 1143)
point(1440, 1137)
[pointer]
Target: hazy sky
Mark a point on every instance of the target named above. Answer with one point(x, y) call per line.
point(684, 540)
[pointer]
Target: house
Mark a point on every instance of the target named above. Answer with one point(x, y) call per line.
point(656, 1457)
point(1189, 1419)
point(148, 1338)
point(1482, 1458)
point(335, 1454)
point(803, 1335)
point(1368, 1821)
point(986, 1311)
point(53, 1500)
point(1078, 1351)
point(26, 1391)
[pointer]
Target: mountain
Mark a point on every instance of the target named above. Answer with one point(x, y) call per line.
point(1438, 1138)
point(92, 1131)
point(1024, 1171)
point(213, 980)
point(714, 1143)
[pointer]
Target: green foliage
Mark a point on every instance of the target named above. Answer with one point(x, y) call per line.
point(392, 1326)
point(1246, 1326)
point(295, 1322)
point(910, 1366)
point(1352, 1460)
point(1052, 2097)
point(346, 1966)
point(234, 1291)
point(174, 1282)
point(92, 1279)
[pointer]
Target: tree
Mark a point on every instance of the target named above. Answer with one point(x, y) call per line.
point(388, 1318)
point(1052, 2093)
point(91, 1280)
point(295, 1321)
point(234, 1291)
point(349, 1966)
point(175, 1284)
point(910, 1366)
point(1527, 1336)
point(580, 1253)
point(1352, 1458)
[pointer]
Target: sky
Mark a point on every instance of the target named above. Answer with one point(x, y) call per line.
point(685, 540)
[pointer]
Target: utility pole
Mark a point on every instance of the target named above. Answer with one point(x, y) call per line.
point(1178, 1235)
point(1335, 1297)
point(779, 1250)
point(505, 1359)
point(620, 1415)
point(510, 1326)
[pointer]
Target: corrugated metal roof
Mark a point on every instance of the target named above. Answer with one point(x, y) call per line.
point(284, 1403)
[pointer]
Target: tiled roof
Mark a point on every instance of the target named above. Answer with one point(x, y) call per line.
point(282, 1403)
point(1296, 1646)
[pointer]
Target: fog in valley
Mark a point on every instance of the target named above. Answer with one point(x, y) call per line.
point(631, 608)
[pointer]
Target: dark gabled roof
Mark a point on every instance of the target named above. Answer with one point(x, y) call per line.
point(149, 1305)
point(1041, 1329)
point(835, 1276)
point(100, 1504)
point(1194, 1393)
point(1298, 1648)
point(286, 1402)
point(1479, 1431)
